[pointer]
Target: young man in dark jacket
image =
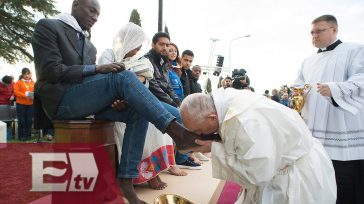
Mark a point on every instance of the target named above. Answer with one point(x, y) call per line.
point(160, 85)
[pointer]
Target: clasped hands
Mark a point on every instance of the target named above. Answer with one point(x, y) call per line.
point(107, 68)
point(205, 142)
point(205, 146)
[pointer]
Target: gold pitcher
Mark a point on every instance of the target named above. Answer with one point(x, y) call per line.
point(298, 100)
point(171, 199)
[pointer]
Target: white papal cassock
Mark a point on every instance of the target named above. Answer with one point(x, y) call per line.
point(339, 129)
point(267, 148)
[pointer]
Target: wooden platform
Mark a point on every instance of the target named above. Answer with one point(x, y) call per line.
point(198, 186)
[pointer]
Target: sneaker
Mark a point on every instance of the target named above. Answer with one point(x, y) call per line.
point(201, 157)
point(188, 164)
point(48, 137)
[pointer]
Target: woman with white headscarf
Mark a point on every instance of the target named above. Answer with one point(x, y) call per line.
point(158, 152)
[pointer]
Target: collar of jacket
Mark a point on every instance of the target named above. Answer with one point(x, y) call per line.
point(194, 79)
point(157, 58)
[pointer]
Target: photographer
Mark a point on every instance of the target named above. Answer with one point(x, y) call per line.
point(240, 79)
point(227, 82)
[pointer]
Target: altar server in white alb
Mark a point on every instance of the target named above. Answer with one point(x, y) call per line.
point(334, 109)
point(265, 147)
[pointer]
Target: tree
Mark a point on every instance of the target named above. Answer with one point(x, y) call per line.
point(220, 80)
point(208, 86)
point(160, 15)
point(17, 22)
point(135, 17)
point(166, 29)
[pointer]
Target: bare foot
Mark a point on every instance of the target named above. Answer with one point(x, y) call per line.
point(127, 187)
point(174, 170)
point(160, 180)
point(157, 184)
point(194, 159)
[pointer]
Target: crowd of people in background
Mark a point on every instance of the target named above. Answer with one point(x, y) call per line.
point(283, 96)
point(19, 94)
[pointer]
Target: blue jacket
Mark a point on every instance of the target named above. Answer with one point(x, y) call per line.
point(176, 84)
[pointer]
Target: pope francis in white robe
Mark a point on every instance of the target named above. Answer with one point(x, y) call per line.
point(268, 149)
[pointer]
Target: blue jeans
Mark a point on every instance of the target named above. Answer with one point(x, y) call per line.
point(25, 118)
point(95, 95)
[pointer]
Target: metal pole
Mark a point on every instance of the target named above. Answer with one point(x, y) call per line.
point(160, 15)
point(231, 41)
point(212, 50)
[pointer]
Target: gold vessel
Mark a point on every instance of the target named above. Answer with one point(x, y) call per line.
point(298, 100)
point(171, 199)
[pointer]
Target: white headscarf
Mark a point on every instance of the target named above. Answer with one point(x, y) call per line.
point(128, 38)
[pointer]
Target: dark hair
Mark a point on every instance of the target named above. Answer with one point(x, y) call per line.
point(24, 71)
point(160, 35)
point(327, 18)
point(187, 52)
point(7, 79)
point(228, 78)
point(178, 60)
point(196, 66)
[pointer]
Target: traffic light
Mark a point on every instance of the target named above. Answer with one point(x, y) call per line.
point(217, 71)
point(220, 61)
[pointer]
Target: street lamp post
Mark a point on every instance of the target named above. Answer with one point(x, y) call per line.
point(231, 41)
point(212, 50)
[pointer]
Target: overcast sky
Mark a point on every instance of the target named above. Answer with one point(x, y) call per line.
point(279, 30)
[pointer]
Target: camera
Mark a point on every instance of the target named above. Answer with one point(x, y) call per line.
point(240, 79)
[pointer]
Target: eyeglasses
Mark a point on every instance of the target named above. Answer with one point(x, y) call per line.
point(319, 31)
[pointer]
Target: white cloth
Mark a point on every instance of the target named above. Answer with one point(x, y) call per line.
point(153, 141)
point(129, 37)
point(339, 129)
point(141, 67)
point(267, 148)
point(71, 21)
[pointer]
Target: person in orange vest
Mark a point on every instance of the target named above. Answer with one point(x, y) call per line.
point(24, 93)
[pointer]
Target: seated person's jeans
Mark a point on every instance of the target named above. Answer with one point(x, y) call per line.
point(96, 94)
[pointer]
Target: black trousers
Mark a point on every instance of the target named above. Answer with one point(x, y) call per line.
point(350, 181)
point(25, 119)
